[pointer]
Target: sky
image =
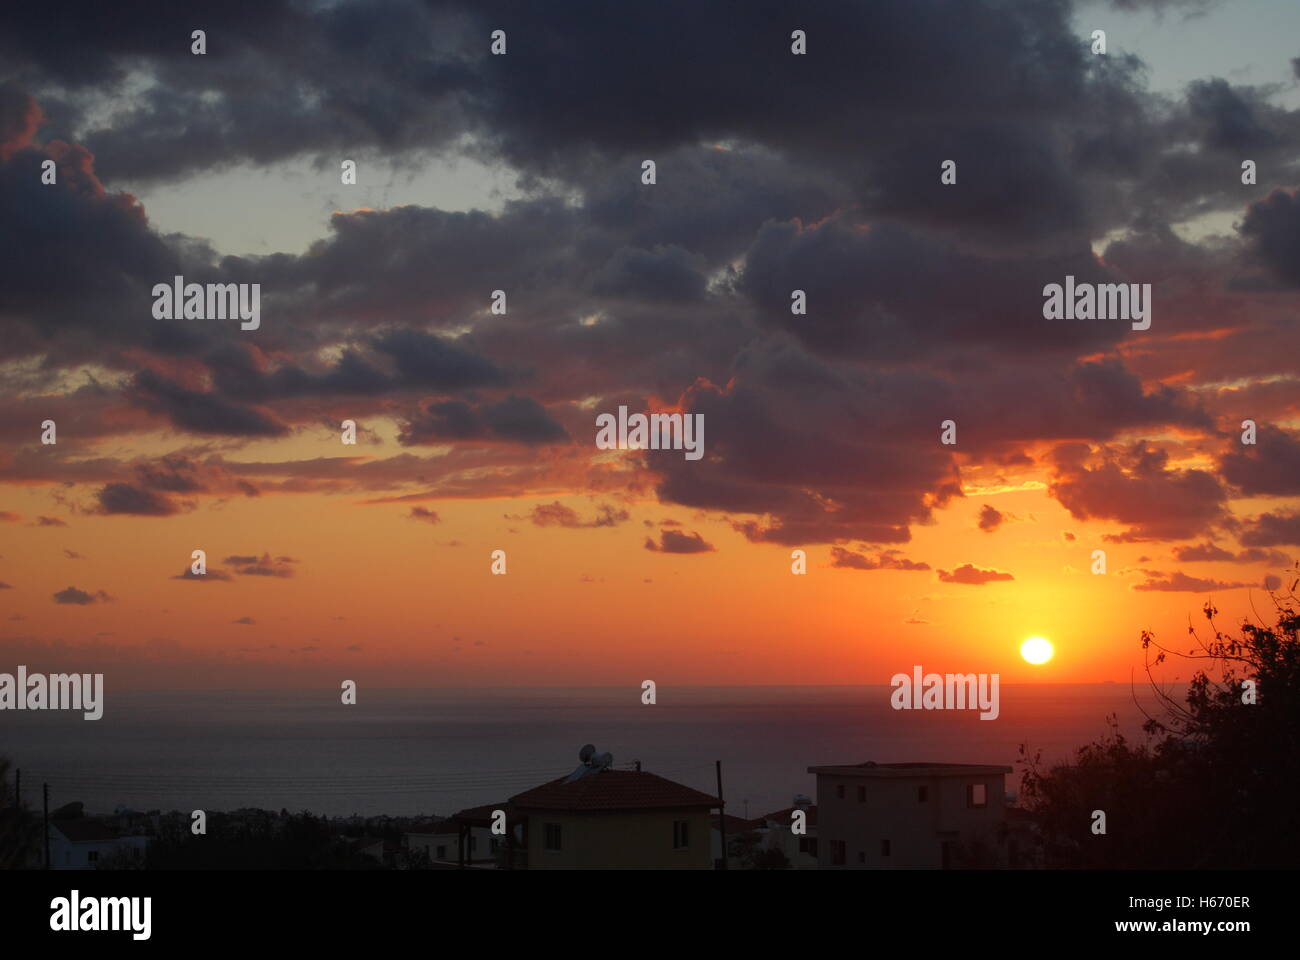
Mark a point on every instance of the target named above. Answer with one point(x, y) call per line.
point(522, 172)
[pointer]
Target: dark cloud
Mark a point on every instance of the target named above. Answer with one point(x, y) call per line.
point(1134, 486)
point(1213, 552)
point(263, 566)
point(1271, 530)
point(124, 498)
point(514, 420)
point(973, 575)
point(214, 576)
point(674, 541)
point(202, 412)
point(72, 595)
point(1273, 227)
point(1269, 467)
point(1179, 582)
point(884, 560)
point(425, 514)
point(990, 518)
point(557, 514)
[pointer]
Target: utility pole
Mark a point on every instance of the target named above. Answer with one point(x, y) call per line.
point(45, 789)
point(722, 818)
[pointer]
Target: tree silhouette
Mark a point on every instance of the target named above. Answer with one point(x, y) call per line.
point(1213, 786)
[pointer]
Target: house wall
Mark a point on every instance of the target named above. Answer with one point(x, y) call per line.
point(620, 840)
point(892, 811)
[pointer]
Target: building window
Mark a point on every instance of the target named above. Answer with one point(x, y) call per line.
point(442, 853)
point(884, 848)
point(922, 794)
point(862, 794)
point(840, 854)
point(493, 844)
point(92, 856)
point(803, 844)
point(976, 795)
point(839, 791)
point(552, 840)
point(812, 847)
point(862, 856)
point(681, 835)
point(473, 843)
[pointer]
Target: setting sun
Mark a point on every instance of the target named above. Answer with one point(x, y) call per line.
point(1036, 650)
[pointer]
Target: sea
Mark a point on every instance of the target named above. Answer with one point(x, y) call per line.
point(422, 752)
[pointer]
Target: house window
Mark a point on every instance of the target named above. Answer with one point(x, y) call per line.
point(552, 839)
point(976, 795)
point(681, 835)
point(92, 856)
point(862, 794)
point(922, 794)
point(884, 848)
point(473, 843)
point(442, 853)
point(840, 854)
point(862, 856)
point(839, 791)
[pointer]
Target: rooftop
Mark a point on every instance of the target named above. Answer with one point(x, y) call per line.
point(899, 771)
point(613, 790)
point(84, 830)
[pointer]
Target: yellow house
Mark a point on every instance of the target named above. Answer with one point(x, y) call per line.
point(616, 819)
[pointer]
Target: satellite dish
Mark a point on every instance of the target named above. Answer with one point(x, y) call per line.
point(587, 752)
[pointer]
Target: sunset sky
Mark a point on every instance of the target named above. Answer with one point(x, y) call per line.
point(523, 173)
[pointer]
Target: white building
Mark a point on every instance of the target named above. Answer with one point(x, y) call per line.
point(84, 843)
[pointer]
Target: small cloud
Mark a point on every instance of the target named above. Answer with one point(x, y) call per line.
point(558, 515)
point(213, 575)
point(49, 522)
point(8, 516)
point(263, 566)
point(5, 586)
point(246, 621)
point(80, 597)
point(72, 554)
point(480, 643)
point(354, 648)
point(990, 518)
point(1179, 582)
point(672, 541)
point(1272, 583)
point(885, 560)
point(974, 576)
point(425, 514)
point(1067, 536)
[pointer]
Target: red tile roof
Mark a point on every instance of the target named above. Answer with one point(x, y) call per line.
point(84, 830)
point(613, 790)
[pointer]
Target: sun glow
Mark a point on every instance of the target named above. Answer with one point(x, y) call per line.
point(1036, 650)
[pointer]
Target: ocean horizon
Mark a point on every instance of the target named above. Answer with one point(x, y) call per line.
point(406, 752)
